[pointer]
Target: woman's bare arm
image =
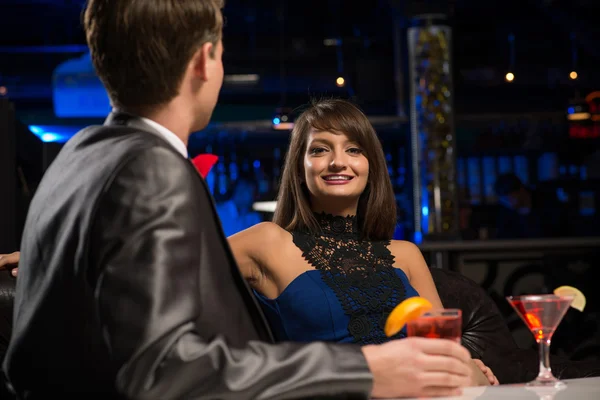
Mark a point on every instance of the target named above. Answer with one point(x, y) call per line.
point(409, 258)
point(250, 248)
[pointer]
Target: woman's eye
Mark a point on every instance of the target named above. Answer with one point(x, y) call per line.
point(355, 150)
point(317, 150)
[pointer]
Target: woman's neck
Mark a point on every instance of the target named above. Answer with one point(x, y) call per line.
point(337, 225)
point(335, 208)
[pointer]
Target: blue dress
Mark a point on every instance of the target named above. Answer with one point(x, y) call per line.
point(349, 294)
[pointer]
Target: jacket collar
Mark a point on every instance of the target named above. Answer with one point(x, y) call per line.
point(121, 118)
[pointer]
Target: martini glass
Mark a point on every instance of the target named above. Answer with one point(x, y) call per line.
point(542, 314)
point(546, 392)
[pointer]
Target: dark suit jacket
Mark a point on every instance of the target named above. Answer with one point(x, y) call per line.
point(128, 289)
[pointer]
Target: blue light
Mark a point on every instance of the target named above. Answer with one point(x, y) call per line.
point(587, 211)
point(276, 121)
point(418, 238)
point(571, 110)
point(424, 214)
point(49, 137)
point(54, 134)
point(36, 129)
point(77, 91)
point(256, 164)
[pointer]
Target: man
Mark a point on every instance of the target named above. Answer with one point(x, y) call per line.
point(521, 214)
point(127, 288)
point(236, 214)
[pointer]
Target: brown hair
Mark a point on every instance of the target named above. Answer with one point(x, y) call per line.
point(376, 211)
point(140, 48)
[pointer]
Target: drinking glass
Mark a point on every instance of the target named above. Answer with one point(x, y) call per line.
point(542, 313)
point(444, 323)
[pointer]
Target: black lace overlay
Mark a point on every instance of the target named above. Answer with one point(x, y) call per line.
point(360, 272)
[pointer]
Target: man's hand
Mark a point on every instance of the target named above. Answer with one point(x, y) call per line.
point(8, 261)
point(487, 372)
point(419, 367)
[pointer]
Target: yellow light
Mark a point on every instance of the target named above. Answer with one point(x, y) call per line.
point(573, 75)
point(579, 116)
point(284, 126)
point(340, 82)
point(510, 77)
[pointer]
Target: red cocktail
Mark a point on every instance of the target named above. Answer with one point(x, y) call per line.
point(542, 314)
point(444, 323)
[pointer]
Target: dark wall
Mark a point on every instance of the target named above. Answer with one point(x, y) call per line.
point(8, 200)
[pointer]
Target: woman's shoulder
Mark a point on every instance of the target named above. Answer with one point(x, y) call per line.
point(403, 247)
point(258, 246)
point(270, 228)
point(263, 232)
point(406, 255)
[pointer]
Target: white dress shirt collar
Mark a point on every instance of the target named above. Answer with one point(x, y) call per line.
point(169, 136)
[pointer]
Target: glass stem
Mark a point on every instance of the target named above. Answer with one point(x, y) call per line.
point(545, 369)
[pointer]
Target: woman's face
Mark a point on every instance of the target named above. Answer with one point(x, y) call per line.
point(335, 169)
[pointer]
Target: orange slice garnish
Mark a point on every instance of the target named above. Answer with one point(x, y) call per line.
point(409, 309)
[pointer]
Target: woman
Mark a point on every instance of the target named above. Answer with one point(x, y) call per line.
point(326, 269)
point(331, 234)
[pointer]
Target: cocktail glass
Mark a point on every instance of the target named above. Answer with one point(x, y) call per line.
point(443, 323)
point(545, 392)
point(542, 314)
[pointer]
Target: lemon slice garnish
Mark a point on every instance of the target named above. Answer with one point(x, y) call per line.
point(578, 297)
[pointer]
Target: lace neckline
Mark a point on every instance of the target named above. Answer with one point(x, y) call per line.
point(360, 272)
point(338, 225)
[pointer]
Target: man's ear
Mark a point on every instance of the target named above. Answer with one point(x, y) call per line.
point(200, 60)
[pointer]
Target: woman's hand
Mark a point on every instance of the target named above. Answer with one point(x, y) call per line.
point(7, 261)
point(487, 372)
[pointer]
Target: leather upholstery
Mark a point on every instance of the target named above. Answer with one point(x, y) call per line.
point(486, 335)
point(7, 292)
point(483, 324)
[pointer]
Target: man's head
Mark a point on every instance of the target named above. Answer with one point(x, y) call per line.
point(244, 193)
point(512, 193)
point(150, 52)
